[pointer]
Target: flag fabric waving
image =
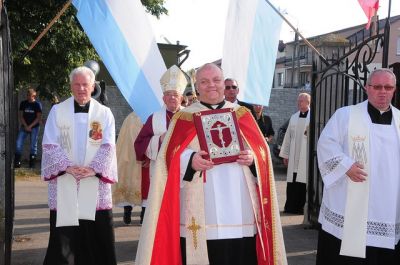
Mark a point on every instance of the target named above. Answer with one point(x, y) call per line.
point(370, 7)
point(250, 48)
point(122, 35)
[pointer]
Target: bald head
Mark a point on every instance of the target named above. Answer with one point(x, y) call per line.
point(210, 83)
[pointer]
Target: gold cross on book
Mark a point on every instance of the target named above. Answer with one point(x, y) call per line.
point(194, 228)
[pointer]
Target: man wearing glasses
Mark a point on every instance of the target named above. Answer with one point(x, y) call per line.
point(359, 159)
point(231, 91)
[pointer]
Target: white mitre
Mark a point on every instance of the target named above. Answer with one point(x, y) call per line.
point(173, 79)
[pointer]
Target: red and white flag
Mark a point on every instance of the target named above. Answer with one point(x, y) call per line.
point(370, 8)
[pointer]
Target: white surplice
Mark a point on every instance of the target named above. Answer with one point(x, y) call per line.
point(334, 160)
point(67, 142)
point(294, 147)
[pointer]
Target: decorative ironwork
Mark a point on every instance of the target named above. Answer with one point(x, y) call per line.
point(339, 84)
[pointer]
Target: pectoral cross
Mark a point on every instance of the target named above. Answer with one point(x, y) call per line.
point(193, 227)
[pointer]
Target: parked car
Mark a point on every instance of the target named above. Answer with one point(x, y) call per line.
point(276, 148)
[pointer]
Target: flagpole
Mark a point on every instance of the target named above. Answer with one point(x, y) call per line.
point(304, 39)
point(385, 59)
point(65, 7)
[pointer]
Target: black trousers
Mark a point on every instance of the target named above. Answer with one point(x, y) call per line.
point(238, 251)
point(295, 196)
point(329, 248)
point(90, 243)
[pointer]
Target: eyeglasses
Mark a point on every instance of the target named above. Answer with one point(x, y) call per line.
point(380, 87)
point(230, 87)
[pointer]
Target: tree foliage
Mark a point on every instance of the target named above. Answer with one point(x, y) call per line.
point(64, 47)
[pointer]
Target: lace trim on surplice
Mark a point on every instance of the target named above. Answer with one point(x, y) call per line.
point(389, 230)
point(103, 162)
point(54, 160)
point(330, 165)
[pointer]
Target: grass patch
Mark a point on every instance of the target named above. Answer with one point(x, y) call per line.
point(27, 174)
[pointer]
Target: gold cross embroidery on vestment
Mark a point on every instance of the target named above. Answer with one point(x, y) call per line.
point(193, 227)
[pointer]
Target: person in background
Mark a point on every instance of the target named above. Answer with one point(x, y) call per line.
point(79, 170)
point(29, 116)
point(359, 160)
point(307, 86)
point(184, 101)
point(294, 152)
point(231, 91)
point(191, 98)
point(148, 142)
point(133, 176)
point(264, 123)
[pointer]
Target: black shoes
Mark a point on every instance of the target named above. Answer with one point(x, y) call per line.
point(32, 161)
point(17, 161)
point(127, 214)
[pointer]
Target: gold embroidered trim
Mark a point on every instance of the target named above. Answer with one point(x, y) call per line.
point(241, 111)
point(187, 116)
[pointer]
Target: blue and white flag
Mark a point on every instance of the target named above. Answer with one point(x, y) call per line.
point(250, 48)
point(122, 35)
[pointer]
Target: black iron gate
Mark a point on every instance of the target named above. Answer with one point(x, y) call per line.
point(338, 84)
point(8, 119)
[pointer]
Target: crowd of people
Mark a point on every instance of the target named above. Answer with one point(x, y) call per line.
point(200, 169)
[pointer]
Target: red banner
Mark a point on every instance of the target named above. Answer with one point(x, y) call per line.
point(370, 8)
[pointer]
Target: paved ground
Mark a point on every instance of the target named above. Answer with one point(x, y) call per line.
point(31, 227)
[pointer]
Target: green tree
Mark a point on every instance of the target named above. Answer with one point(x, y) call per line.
point(64, 47)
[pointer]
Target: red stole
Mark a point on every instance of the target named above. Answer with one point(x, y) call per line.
point(166, 248)
point(145, 182)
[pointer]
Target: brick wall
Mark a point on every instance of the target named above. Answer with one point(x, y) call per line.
point(282, 104)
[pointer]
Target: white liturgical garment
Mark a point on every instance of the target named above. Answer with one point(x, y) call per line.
point(225, 188)
point(294, 147)
point(334, 160)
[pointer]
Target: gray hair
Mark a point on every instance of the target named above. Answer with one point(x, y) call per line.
point(82, 70)
point(381, 71)
point(305, 95)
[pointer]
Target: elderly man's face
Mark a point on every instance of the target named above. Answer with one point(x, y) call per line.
point(303, 103)
point(82, 88)
point(380, 91)
point(231, 90)
point(172, 100)
point(210, 84)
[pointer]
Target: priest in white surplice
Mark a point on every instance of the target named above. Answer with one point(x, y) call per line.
point(148, 142)
point(79, 163)
point(359, 160)
point(295, 156)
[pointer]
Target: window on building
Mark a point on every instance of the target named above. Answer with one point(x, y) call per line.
point(398, 46)
point(302, 50)
point(280, 79)
point(303, 78)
